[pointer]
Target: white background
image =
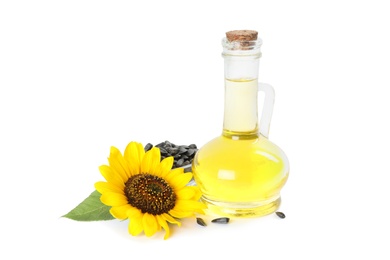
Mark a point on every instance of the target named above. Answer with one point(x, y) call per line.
point(77, 77)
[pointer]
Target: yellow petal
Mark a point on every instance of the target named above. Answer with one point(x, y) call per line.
point(141, 153)
point(134, 213)
point(180, 214)
point(189, 206)
point(117, 162)
point(196, 192)
point(173, 173)
point(133, 155)
point(186, 193)
point(120, 212)
point(150, 224)
point(135, 226)
point(180, 180)
point(168, 218)
point(164, 167)
point(111, 176)
point(151, 160)
point(103, 187)
point(113, 199)
point(163, 223)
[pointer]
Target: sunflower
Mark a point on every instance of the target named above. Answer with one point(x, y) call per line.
point(147, 191)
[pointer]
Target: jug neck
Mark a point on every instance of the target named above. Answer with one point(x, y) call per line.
point(241, 60)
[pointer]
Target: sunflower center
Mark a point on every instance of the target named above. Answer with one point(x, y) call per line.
point(150, 194)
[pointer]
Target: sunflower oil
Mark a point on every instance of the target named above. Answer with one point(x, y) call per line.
point(241, 173)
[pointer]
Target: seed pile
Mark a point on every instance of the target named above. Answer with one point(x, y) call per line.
point(183, 155)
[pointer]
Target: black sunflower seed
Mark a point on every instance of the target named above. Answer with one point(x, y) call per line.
point(161, 145)
point(201, 222)
point(172, 150)
point(148, 146)
point(280, 214)
point(186, 162)
point(182, 150)
point(187, 169)
point(163, 151)
point(221, 220)
point(180, 162)
point(190, 152)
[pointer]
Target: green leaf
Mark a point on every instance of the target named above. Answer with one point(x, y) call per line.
point(91, 209)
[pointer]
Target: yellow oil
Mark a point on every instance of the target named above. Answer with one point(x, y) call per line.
point(240, 177)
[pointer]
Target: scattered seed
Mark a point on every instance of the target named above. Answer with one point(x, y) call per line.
point(221, 220)
point(201, 222)
point(280, 214)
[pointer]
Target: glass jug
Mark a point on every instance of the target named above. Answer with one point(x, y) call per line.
point(241, 172)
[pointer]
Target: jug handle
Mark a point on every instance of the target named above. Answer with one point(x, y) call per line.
point(268, 107)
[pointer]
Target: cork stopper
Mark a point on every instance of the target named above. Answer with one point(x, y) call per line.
point(241, 35)
point(241, 39)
